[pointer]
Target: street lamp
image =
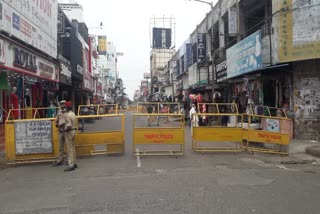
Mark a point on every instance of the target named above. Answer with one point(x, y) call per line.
point(205, 2)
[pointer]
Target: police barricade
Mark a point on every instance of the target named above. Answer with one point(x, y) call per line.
point(31, 139)
point(158, 107)
point(158, 134)
point(36, 140)
point(268, 133)
point(97, 109)
point(105, 135)
point(217, 131)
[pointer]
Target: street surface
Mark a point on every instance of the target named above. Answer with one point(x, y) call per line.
point(193, 184)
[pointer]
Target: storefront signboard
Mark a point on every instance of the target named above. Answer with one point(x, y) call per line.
point(245, 56)
point(25, 61)
point(33, 22)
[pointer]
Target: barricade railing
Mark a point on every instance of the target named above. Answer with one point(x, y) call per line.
point(158, 134)
point(220, 132)
point(37, 139)
point(158, 107)
point(273, 133)
point(105, 136)
point(32, 113)
point(100, 109)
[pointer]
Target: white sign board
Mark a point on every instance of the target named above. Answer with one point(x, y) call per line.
point(28, 62)
point(33, 137)
point(32, 21)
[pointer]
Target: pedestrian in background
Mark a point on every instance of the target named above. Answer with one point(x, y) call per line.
point(70, 132)
point(60, 124)
point(193, 117)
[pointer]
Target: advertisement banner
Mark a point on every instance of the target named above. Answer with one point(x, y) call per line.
point(33, 22)
point(161, 37)
point(25, 61)
point(299, 30)
point(245, 56)
point(201, 46)
point(102, 45)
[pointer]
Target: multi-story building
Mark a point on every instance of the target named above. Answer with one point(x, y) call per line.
point(255, 51)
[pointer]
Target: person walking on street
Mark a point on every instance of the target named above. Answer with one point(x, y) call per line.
point(149, 111)
point(60, 124)
point(70, 132)
point(193, 117)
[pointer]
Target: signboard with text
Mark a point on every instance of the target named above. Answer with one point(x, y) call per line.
point(25, 61)
point(33, 22)
point(245, 56)
point(298, 30)
point(201, 46)
point(33, 137)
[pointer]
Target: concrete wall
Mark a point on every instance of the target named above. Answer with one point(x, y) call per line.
point(306, 78)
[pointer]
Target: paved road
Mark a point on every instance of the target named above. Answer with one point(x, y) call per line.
point(195, 183)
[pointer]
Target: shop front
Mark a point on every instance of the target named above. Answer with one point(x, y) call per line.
point(32, 79)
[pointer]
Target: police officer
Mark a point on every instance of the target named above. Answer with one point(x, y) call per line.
point(60, 124)
point(70, 132)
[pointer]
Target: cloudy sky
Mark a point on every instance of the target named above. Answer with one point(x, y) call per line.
point(127, 24)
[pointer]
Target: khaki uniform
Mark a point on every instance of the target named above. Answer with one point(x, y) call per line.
point(69, 137)
point(60, 124)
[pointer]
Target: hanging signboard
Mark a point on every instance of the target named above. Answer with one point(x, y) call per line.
point(102, 45)
point(201, 46)
point(33, 137)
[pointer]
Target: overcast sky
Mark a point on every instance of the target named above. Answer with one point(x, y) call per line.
point(127, 24)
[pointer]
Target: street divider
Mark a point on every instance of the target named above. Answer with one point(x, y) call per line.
point(158, 134)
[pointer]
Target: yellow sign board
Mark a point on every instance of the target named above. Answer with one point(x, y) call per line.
point(158, 136)
point(297, 38)
point(102, 45)
point(217, 134)
point(268, 137)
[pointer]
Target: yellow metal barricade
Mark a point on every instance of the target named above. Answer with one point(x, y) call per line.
point(30, 140)
point(273, 132)
point(106, 135)
point(98, 109)
point(158, 107)
point(152, 132)
point(220, 134)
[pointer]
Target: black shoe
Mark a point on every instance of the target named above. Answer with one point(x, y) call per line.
point(75, 166)
point(70, 168)
point(57, 163)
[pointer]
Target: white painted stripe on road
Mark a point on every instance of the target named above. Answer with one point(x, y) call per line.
point(138, 158)
point(285, 168)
